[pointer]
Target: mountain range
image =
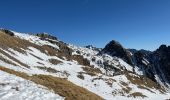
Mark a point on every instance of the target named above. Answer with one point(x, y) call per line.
point(41, 67)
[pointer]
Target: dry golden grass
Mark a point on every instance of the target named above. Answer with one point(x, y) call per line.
point(49, 69)
point(15, 43)
point(142, 87)
point(12, 58)
point(7, 61)
point(81, 60)
point(144, 81)
point(58, 85)
point(91, 70)
point(51, 50)
point(123, 83)
point(20, 45)
point(54, 61)
point(126, 89)
point(108, 81)
point(137, 94)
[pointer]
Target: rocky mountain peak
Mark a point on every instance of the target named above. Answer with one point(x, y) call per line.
point(114, 48)
point(162, 47)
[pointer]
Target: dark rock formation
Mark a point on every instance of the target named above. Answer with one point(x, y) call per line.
point(162, 61)
point(64, 50)
point(143, 61)
point(114, 48)
point(7, 32)
point(93, 48)
point(158, 63)
point(45, 35)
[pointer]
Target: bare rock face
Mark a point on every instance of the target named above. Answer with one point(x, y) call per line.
point(64, 49)
point(46, 36)
point(114, 48)
point(93, 48)
point(143, 61)
point(154, 63)
point(162, 60)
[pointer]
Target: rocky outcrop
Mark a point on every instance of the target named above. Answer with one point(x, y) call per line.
point(142, 60)
point(150, 63)
point(81, 60)
point(8, 32)
point(45, 35)
point(114, 48)
point(162, 61)
point(93, 48)
point(154, 63)
point(147, 62)
point(64, 49)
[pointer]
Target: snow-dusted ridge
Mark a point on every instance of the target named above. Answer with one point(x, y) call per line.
point(104, 83)
point(34, 39)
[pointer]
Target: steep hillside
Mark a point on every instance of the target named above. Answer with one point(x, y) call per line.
point(79, 73)
point(154, 65)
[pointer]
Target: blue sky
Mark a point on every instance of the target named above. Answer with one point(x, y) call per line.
point(134, 23)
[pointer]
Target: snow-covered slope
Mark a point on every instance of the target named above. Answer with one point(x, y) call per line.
point(15, 88)
point(109, 77)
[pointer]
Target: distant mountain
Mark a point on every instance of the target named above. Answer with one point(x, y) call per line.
point(154, 65)
point(41, 67)
point(93, 48)
point(142, 50)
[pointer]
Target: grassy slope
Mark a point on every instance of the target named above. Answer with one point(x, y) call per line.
point(58, 85)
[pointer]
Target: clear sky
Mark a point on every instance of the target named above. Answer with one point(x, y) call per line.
point(134, 23)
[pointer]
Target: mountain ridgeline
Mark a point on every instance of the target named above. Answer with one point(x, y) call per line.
point(150, 63)
point(86, 73)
